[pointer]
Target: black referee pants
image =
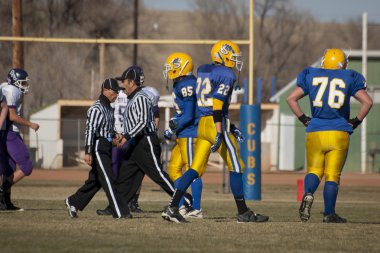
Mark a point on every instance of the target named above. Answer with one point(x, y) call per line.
point(101, 176)
point(144, 158)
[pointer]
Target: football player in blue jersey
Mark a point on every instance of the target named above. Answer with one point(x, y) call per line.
point(329, 89)
point(179, 67)
point(215, 83)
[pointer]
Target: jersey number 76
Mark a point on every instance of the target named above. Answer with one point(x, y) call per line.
point(335, 96)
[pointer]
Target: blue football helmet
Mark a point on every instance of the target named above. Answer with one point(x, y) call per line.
point(19, 78)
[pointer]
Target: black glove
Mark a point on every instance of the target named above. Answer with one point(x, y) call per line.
point(355, 122)
point(168, 133)
point(173, 123)
point(217, 143)
point(304, 119)
point(132, 141)
point(237, 133)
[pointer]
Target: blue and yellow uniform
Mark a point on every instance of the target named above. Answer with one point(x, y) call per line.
point(187, 125)
point(184, 124)
point(328, 132)
point(215, 84)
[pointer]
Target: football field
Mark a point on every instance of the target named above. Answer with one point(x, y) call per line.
point(44, 226)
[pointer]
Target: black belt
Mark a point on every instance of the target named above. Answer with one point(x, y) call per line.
point(145, 132)
point(109, 139)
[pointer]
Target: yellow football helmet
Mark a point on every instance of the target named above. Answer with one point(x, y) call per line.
point(227, 53)
point(334, 58)
point(178, 64)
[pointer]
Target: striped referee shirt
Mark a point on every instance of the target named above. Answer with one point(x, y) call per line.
point(100, 122)
point(138, 115)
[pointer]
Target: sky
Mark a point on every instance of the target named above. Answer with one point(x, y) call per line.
point(322, 10)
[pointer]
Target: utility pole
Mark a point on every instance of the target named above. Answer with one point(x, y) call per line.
point(17, 46)
point(135, 29)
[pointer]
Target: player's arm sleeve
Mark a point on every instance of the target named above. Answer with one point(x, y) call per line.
point(156, 111)
point(222, 87)
point(94, 118)
point(155, 99)
point(3, 113)
point(187, 116)
point(359, 83)
point(301, 81)
point(10, 97)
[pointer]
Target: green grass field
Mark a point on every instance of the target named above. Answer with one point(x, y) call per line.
point(46, 227)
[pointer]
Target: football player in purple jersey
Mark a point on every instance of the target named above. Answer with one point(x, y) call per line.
point(327, 132)
point(15, 150)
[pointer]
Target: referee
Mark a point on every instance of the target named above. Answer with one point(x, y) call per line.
point(144, 153)
point(99, 135)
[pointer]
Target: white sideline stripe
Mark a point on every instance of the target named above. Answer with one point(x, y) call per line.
point(107, 180)
point(158, 167)
point(232, 152)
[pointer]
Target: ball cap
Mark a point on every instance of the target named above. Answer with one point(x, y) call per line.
point(111, 84)
point(134, 73)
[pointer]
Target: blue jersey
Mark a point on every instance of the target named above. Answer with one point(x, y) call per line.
point(185, 99)
point(329, 93)
point(214, 81)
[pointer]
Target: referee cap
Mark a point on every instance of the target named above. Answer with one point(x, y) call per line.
point(111, 84)
point(135, 73)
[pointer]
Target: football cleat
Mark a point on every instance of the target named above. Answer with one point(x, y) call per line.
point(305, 207)
point(334, 218)
point(7, 203)
point(250, 216)
point(134, 207)
point(194, 214)
point(105, 212)
point(72, 210)
point(183, 210)
point(3, 206)
point(11, 207)
point(172, 214)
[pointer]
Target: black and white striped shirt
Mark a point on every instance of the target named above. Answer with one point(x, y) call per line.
point(138, 115)
point(100, 122)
